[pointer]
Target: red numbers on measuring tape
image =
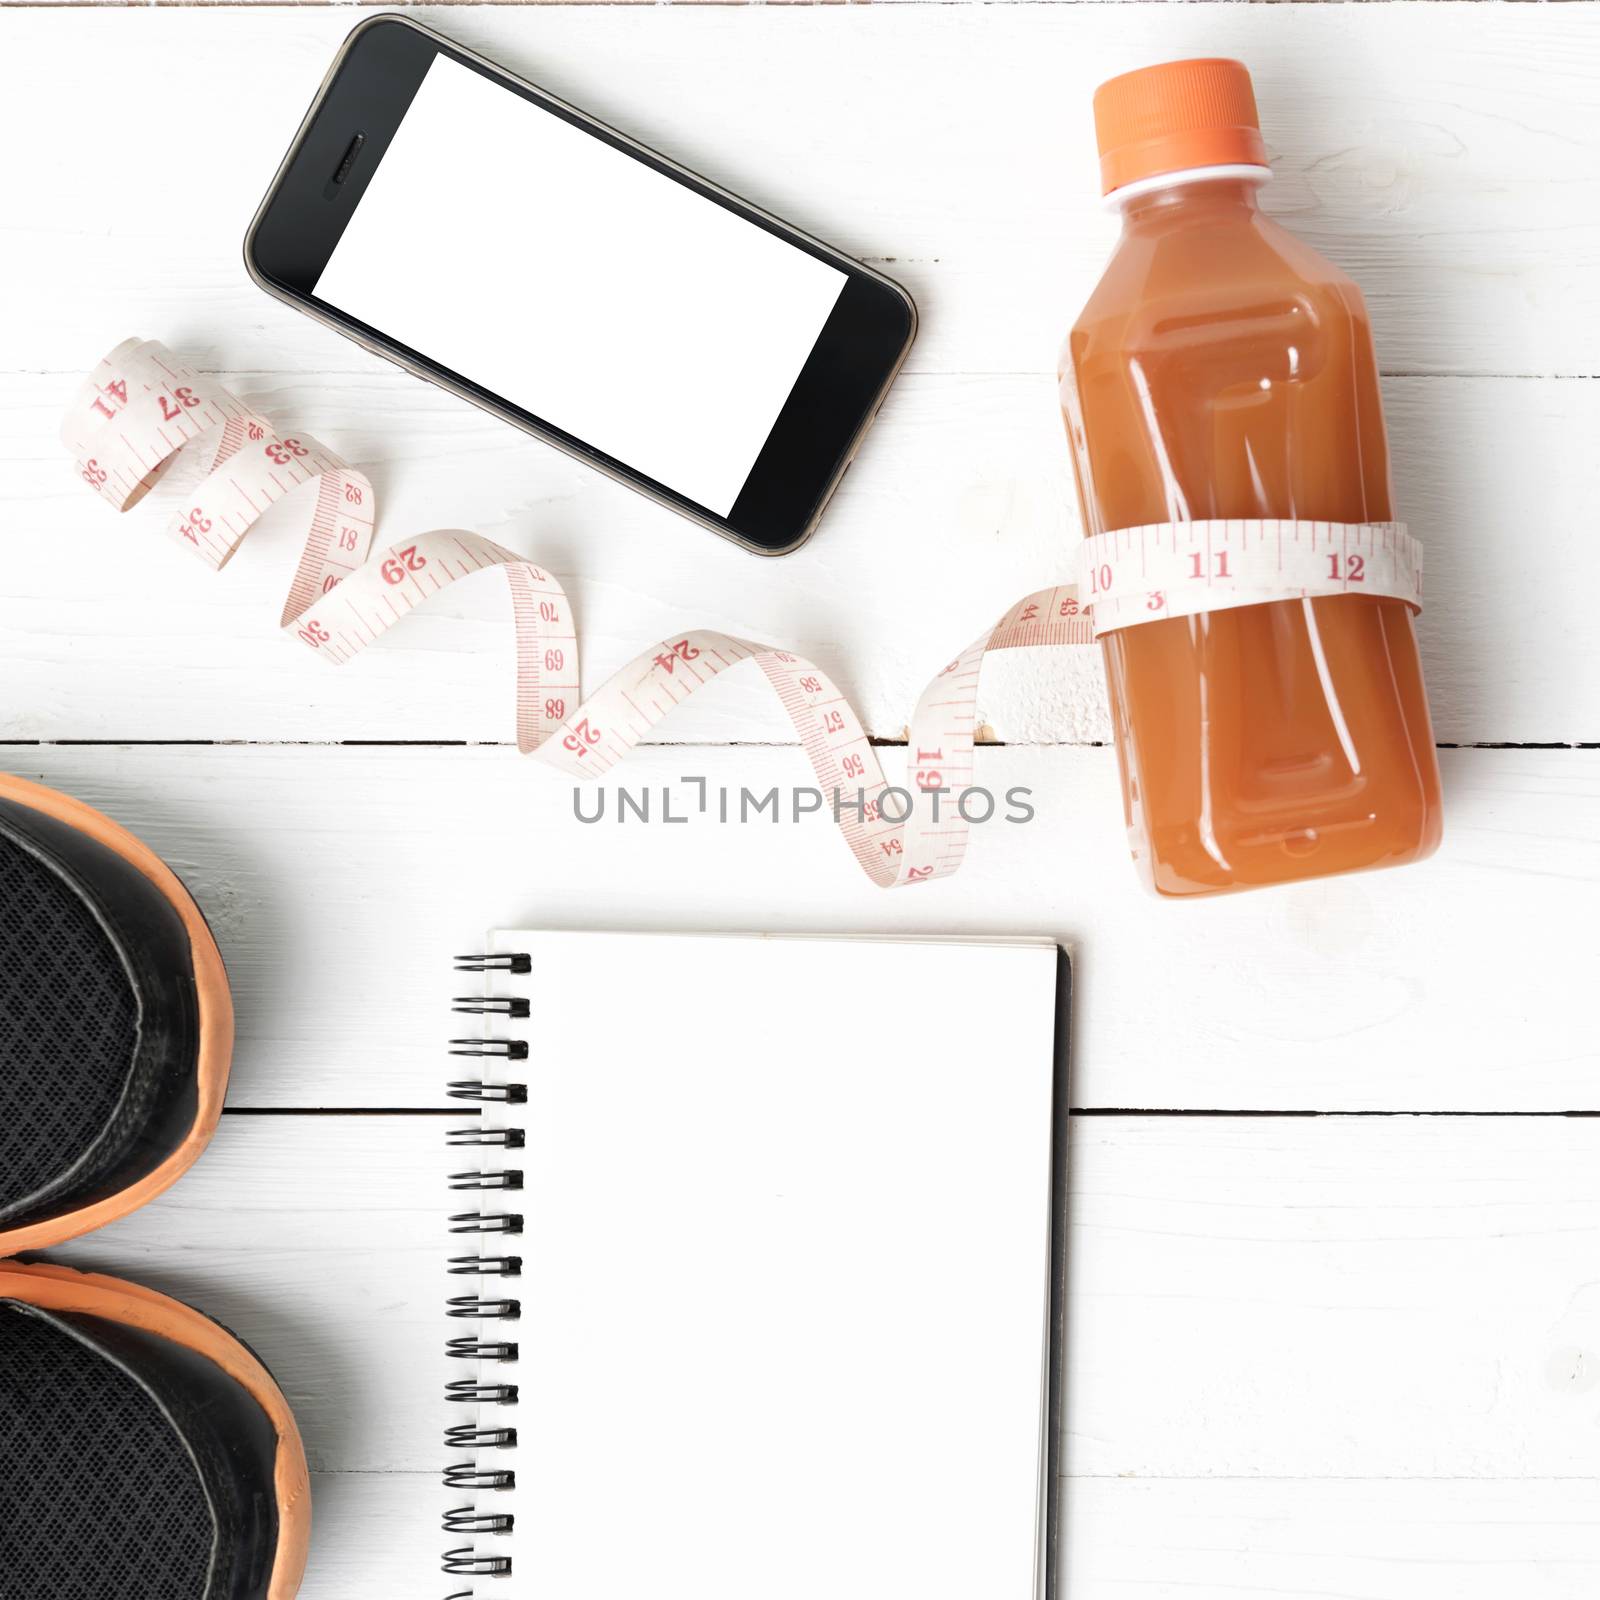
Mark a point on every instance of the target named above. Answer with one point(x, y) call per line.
point(281, 451)
point(681, 651)
point(193, 525)
point(186, 401)
point(315, 634)
point(113, 397)
point(1219, 565)
point(1352, 570)
point(93, 473)
point(582, 737)
point(554, 709)
point(1099, 578)
point(402, 564)
point(549, 611)
point(115, 392)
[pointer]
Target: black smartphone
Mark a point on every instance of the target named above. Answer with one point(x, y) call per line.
point(485, 235)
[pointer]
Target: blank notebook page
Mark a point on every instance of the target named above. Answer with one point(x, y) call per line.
point(785, 1277)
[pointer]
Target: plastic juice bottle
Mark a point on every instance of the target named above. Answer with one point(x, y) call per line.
point(1222, 369)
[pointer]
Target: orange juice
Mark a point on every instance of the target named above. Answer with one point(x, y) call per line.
point(1222, 369)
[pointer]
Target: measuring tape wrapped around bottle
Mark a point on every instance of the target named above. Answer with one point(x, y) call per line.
point(142, 405)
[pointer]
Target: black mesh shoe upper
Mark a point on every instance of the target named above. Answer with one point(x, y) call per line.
point(130, 1467)
point(99, 1021)
point(64, 997)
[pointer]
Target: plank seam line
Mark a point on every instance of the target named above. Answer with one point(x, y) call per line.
point(876, 740)
point(347, 1111)
point(1130, 1112)
point(1239, 1112)
point(237, 373)
point(590, 5)
point(431, 1474)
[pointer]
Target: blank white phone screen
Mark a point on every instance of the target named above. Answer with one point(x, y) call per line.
point(582, 285)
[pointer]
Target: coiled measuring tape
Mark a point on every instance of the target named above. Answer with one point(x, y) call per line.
point(142, 405)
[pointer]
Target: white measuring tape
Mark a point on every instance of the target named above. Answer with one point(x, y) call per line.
point(141, 406)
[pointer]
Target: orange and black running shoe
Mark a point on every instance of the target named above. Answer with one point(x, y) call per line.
point(145, 1452)
point(116, 1025)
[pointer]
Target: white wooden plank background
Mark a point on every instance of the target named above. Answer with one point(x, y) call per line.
point(1150, 1539)
point(953, 142)
point(1310, 1355)
point(961, 504)
point(1266, 1313)
point(341, 879)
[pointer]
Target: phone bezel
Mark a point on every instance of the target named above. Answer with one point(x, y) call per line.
point(369, 88)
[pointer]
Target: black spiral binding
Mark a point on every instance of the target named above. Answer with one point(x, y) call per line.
point(470, 1471)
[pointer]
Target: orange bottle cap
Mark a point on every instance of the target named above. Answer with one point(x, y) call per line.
point(1176, 115)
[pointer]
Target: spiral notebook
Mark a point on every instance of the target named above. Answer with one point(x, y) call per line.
point(756, 1280)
